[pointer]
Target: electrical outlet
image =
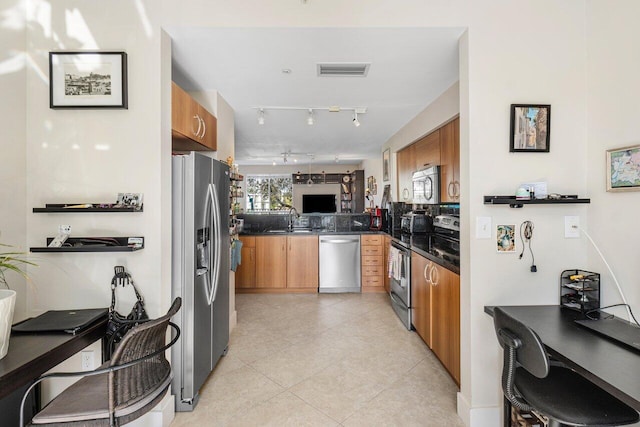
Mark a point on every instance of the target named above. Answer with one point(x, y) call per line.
point(572, 227)
point(87, 360)
point(483, 227)
point(64, 229)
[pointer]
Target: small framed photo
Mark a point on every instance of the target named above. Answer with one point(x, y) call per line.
point(386, 155)
point(88, 80)
point(623, 169)
point(506, 238)
point(129, 200)
point(530, 128)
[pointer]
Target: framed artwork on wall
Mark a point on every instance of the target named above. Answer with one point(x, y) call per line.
point(386, 155)
point(530, 128)
point(623, 169)
point(88, 80)
point(506, 238)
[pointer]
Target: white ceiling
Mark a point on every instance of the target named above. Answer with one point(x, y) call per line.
point(410, 67)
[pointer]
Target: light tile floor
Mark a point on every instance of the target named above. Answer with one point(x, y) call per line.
point(324, 360)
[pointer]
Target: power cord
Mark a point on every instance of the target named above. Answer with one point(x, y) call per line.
point(526, 234)
point(610, 316)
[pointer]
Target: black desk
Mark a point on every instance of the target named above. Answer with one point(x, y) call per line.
point(611, 366)
point(31, 355)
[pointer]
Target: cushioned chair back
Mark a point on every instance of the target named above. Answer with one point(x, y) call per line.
point(530, 352)
point(130, 384)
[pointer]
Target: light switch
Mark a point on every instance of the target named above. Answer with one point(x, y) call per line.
point(483, 227)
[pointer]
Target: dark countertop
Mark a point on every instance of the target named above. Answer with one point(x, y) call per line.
point(425, 245)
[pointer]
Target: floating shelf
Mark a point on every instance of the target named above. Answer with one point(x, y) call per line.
point(68, 207)
point(94, 244)
point(513, 203)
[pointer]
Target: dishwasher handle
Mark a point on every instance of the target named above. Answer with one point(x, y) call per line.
point(339, 241)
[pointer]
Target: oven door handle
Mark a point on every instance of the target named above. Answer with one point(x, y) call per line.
point(395, 299)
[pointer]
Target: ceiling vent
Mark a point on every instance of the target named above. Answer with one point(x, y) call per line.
point(343, 69)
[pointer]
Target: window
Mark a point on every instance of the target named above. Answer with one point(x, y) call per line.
point(269, 193)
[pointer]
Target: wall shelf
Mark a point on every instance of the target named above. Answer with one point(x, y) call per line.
point(95, 207)
point(513, 203)
point(94, 244)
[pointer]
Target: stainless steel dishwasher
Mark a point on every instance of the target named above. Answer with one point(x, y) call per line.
point(339, 263)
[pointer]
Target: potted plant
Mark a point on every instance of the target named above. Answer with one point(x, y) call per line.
point(9, 261)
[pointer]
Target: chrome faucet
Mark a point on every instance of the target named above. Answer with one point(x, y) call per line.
point(291, 211)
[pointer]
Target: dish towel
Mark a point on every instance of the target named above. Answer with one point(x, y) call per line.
point(236, 254)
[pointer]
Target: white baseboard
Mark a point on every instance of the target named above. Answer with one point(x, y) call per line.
point(233, 320)
point(478, 417)
point(160, 416)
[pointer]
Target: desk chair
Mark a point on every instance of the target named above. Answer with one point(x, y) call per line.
point(529, 382)
point(122, 389)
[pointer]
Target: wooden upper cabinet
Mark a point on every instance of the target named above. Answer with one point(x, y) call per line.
point(427, 151)
point(450, 162)
point(271, 261)
point(406, 166)
point(193, 127)
point(302, 262)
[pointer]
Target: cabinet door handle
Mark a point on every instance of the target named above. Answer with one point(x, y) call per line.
point(196, 132)
point(451, 193)
point(434, 272)
point(426, 273)
point(456, 187)
point(204, 128)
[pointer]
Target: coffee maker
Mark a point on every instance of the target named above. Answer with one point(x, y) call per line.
point(376, 219)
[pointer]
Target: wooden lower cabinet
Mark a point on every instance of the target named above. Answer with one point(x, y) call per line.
point(271, 261)
point(302, 262)
point(246, 271)
point(435, 297)
point(445, 319)
point(278, 264)
point(372, 262)
point(421, 297)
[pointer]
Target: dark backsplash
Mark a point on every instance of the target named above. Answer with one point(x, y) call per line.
point(263, 223)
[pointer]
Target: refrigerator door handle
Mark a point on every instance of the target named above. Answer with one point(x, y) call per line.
point(218, 242)
point(207, 220)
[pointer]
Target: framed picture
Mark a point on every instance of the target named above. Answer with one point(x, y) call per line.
point(623, 169)
point(87, 80)
point(530, 128)
point(385, 164)
point(506, 238)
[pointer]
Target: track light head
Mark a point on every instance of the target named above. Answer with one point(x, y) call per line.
point(356, 122)
point(261, 116)
point(310, 117)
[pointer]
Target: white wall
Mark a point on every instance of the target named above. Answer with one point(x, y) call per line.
point(612, 103)
point(373, 167)
point(12, 143)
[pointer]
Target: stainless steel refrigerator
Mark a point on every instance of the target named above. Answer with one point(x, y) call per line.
point(200, 271)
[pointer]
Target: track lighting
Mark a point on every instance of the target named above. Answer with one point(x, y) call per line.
point(311, 111)
point(337, 160)
point(356, 122)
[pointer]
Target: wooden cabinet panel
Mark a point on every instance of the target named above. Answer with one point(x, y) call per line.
point(246, 271)
point(445, 315)
point(421, 297)
point(302, 262)
point(371, 260)
point(372, 250)
point(406, 166)
point(376, 270)
point(371, 240)
point(427, 151)
point(371, 282)
point(271, 261)
point(450, 162)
